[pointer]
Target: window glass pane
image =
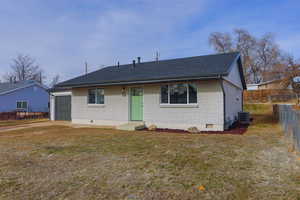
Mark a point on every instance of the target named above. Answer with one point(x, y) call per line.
point(136, 91)
point(178, 94)
point(192, 93)
point(164, 94)
point(92, 96)
point(100, 96)
point(21, 105)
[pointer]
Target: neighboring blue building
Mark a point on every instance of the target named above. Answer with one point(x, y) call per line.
point(28, 96)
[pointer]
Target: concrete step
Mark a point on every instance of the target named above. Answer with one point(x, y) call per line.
point(132, 126)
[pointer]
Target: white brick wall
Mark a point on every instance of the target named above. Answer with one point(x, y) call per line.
point(113, 112)
point(116, 108)
point(208, 111)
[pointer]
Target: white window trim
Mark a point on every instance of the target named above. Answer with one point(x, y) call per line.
point(27, 103)
point(172, 105)
point(191, 105)
point(96, 104)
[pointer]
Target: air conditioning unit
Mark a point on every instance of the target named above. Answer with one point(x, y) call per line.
point(244, 118)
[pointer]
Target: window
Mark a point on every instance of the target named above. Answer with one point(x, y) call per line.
point(22, 105)
point(179, 94)
point(192, 93)
point(96, 96)
point(164, 94)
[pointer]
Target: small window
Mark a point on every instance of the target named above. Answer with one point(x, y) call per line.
point(178, 94)
point(96, 96)
point(22, 105)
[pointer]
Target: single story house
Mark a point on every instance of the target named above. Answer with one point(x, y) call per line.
point(30, 96)
point(203, 91)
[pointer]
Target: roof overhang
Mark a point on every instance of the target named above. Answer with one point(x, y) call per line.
point(240, 66)
point(143, 81)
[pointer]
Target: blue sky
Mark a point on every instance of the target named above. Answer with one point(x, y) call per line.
point(62, 34)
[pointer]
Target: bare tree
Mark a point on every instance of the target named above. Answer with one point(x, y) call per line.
point(268, 56)
point(24, 68)
point(291, 70)
point(245, 44)
point(221, 42)
point(55, 80)
point(259, 55)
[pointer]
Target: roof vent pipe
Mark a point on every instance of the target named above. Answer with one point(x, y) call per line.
point(139, 60)
point(133, 63)
point(118, 64)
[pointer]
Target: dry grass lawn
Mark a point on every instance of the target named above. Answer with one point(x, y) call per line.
point(60, 162)
point(9, 123)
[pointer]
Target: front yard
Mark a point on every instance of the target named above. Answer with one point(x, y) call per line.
point(60, 162)
point(10, 123)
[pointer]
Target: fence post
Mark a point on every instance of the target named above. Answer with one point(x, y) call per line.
point(275, 112)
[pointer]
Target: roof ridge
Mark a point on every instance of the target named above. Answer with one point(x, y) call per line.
point(171, 59)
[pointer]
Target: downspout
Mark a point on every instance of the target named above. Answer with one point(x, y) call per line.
point(50, 107)
point(242, 100)
point(224, 101)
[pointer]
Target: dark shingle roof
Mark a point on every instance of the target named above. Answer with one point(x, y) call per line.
point(8, 87)
point(209, 66)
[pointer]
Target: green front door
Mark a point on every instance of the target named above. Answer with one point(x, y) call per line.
point(136, 106)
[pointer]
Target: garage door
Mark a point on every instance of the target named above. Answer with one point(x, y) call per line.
point(63, 108)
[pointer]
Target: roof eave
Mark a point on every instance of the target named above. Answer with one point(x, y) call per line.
point(143, 81)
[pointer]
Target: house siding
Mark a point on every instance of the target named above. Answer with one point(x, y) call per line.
point(115, 111)
point(37, 98)
point(233, 102)
point(234, 76)
point(208, 111)
point(233, 90)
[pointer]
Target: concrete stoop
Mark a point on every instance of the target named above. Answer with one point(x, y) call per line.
point(132, 126)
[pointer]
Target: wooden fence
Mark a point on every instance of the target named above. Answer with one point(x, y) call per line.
point(270, 95)
point(20, 115)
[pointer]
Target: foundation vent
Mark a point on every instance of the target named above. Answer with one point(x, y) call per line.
point(209, 126)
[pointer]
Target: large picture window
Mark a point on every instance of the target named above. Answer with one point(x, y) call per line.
point(22, 105)
point(96, 96)
point(184, 93)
